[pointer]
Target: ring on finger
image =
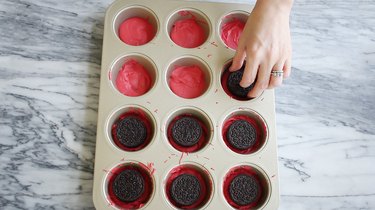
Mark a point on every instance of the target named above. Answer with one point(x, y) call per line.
point(277, 73)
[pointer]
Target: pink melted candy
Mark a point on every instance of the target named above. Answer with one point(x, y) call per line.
point(133, 79)
point(188, 81)
point(136, 31)
point(188, 33)
point(231, 32)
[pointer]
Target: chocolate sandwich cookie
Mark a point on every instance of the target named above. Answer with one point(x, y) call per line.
point(129, 185)
point(131, 132)
point(241, 135)
point(233, 84)
point(186, 131)
point(244, 189)
point(185, 190)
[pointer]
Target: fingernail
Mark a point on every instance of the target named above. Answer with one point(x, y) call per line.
point(249, 95)
point(244, 85)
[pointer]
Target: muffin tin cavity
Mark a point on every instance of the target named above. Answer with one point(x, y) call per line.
point(140, 18)
point(188, 130)
point(230, 82)
point(133, 75)
point(230, 28)
point(129, 186)
point(244, 131)
point(188, 77)
point(188, 28)
point(188, 186)
point(246, 187)
point(131, 128)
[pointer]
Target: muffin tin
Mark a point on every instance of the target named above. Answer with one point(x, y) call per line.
point(214, 160)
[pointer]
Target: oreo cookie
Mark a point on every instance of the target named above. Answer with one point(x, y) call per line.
point(186, 131)
point(244, 189)
point(129, 185)
point(233, 84)
point(131, 132)
point(241, 134)
point(185, 190)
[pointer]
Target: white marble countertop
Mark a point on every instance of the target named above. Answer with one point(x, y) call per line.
point(50, 54)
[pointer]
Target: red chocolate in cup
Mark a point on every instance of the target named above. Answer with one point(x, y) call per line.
point(231, 32)
point(231, 28)
point(187, 133)
point(188, 81)
point(188, 187)
point(133, 79)
point(188, 77)
point(130, 186)
point(244, 134)
point(136, 31)
point(245, 187)
point(132, 131)
point(136, 25)
point(188, 28)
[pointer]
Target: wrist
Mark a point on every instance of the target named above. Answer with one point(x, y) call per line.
point(276, 5)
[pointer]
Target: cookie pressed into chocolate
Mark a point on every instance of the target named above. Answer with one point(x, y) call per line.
point(244, 189)
point(233, 84)
point(129, 185)
point(131, 132)
point(185, 190)
point(186, 131)
point(241, 134)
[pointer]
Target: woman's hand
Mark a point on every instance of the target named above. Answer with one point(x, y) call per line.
point(266, 45)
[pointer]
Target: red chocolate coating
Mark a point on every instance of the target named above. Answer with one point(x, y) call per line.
point(133, 79)
point(135, 113)
point(188, 33)
point(249, 171)
point(231, 32)
point(143, 198)
point(204, 182)
point(136, 31)
point(188, 81)
point(203, 140)
point(261, 132)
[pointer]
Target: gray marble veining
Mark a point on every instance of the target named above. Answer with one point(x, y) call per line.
point(50, 54)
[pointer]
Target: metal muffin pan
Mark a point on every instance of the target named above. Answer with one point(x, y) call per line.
point(161, 105)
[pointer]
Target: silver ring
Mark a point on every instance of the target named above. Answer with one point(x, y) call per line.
point(276, 73)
